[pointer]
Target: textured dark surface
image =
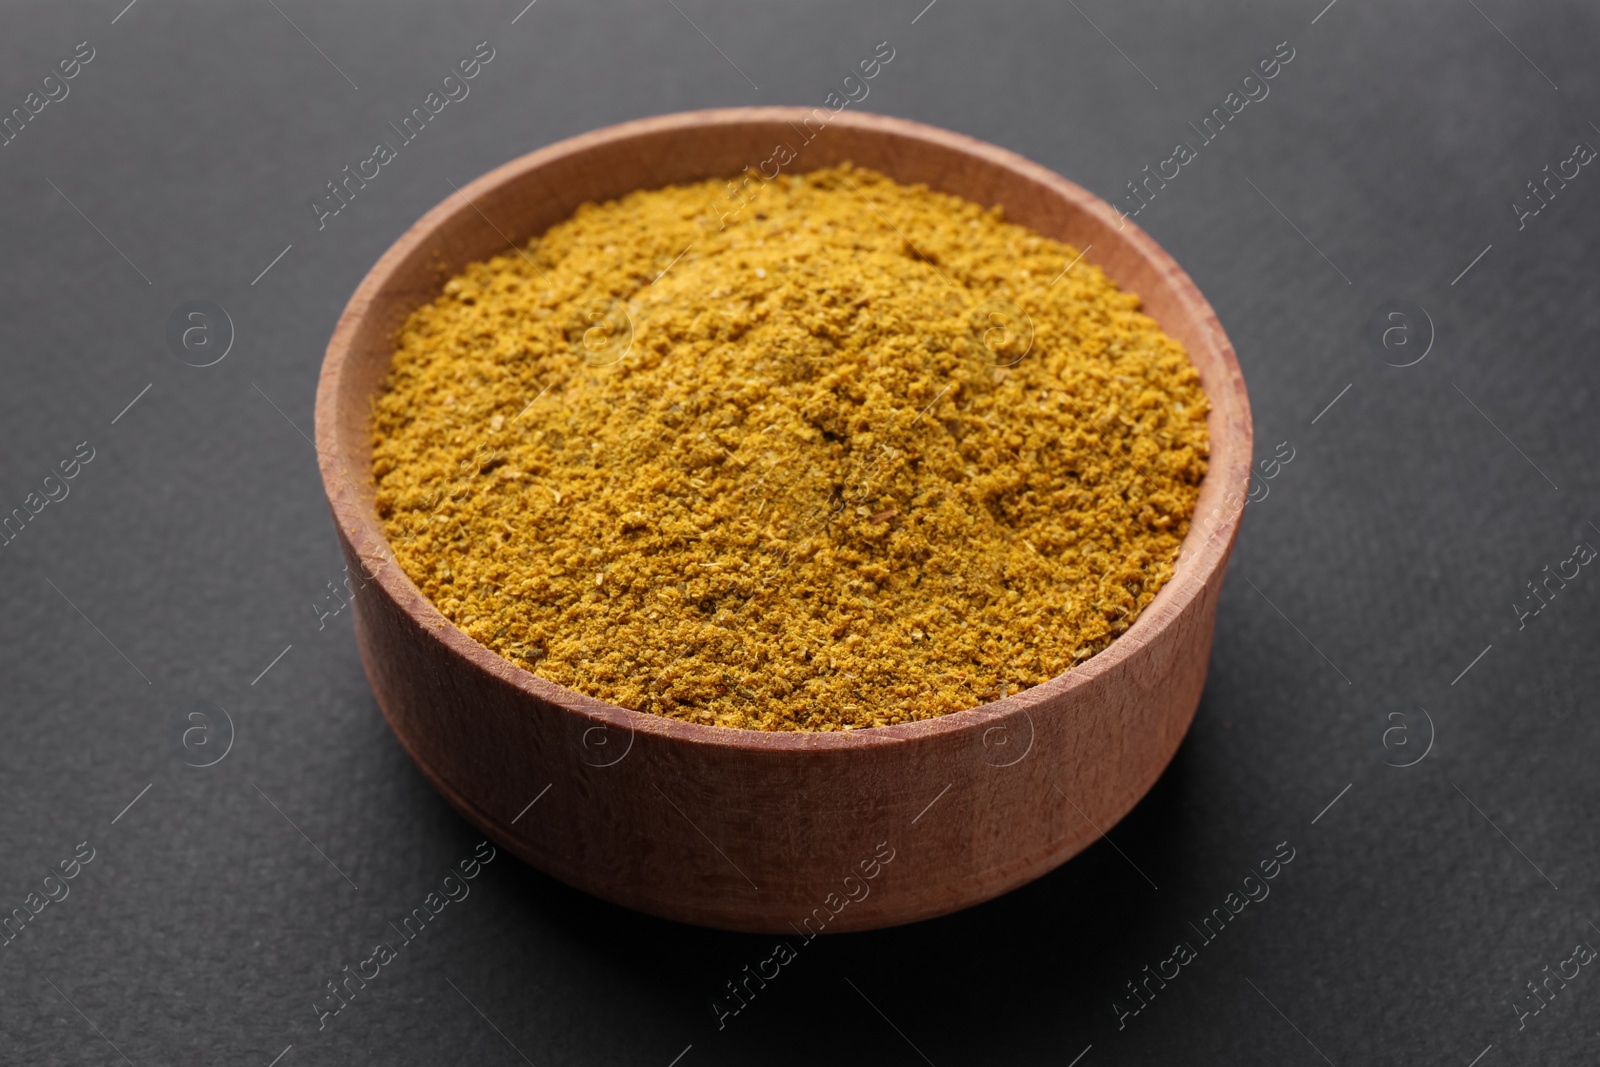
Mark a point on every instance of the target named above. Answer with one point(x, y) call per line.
point(1385, 556)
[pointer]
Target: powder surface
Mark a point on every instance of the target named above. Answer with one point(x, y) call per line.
point(864, 454)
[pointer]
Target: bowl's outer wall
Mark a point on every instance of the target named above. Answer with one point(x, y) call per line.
point(759, 831)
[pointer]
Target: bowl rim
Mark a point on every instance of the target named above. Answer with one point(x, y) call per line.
point(1205, 551)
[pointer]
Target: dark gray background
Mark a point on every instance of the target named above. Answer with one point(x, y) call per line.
point(1389, 552)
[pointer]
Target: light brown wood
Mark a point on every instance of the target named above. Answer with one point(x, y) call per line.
point(743, 829)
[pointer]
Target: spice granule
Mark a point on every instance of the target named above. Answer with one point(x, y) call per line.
point(865, 454)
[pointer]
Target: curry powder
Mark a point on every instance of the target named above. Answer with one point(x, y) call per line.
point(858, 454)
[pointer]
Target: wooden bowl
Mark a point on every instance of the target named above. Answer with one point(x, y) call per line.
point(743, 829)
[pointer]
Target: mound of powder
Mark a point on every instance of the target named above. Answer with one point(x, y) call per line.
point(858, 454)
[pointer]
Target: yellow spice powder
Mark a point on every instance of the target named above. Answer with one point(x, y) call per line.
point(860, 455)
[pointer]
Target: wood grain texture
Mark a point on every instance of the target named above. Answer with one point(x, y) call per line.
point(743, 829)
